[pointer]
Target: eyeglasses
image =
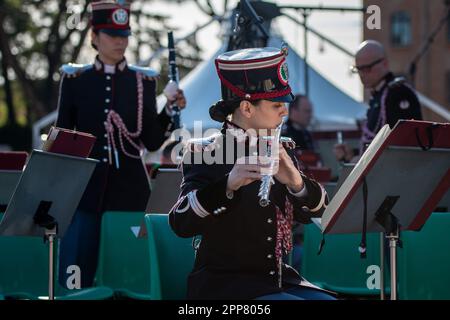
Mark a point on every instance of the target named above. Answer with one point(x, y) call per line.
point(366, 67)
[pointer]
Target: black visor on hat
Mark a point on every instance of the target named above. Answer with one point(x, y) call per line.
point(116, 32)
point(287, 98)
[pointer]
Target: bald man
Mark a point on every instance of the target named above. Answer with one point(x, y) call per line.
point(391, 99)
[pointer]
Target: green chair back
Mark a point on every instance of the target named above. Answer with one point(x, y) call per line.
point(123, 258)
point(424, 262)
point(23, 267)
point(339, 267)
point(171, 259)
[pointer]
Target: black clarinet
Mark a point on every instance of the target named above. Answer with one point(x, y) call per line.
point(173, 76)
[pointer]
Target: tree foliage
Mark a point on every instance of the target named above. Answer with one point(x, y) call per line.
point(36, 37)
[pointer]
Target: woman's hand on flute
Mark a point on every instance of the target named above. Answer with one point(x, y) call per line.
point(287, 173)
point(245, 171)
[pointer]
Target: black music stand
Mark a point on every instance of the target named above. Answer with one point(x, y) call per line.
point(165, 190)
point(395, 186)
point(164, 195)
point(46, 198)
point(9, 180)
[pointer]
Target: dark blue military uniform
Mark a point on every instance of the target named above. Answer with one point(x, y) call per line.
point(302, 137)
point(391, 101)
point(117, 104)
point(236, 258)
point(244, 237)
point(89, 93)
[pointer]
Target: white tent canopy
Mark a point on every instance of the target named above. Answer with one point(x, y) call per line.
point(333, 109)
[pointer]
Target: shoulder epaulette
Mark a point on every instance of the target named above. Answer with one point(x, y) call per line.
point(287, 142)
point(74, 70)
point(202, 144)
point(148, 73)
point(396, 82)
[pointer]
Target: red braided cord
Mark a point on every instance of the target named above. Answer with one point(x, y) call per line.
point(284, 230)
point(114, 118)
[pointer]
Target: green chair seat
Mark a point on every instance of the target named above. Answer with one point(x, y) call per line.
point(94, 293)
point(125, 293)
point(123, 258)
point(350, 291)
point(171, 259)
point(20, 296)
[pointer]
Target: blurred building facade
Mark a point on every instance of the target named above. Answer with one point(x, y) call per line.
point(406, 26)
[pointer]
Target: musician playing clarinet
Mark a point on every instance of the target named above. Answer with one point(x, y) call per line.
point(116, 102)
point(242, 242)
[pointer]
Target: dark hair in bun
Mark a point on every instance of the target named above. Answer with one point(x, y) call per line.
point(222, 109)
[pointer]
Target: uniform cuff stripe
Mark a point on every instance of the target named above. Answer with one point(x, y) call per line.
point(196, 206)
point(322, 201)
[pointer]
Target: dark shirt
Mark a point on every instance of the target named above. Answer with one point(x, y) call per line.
point(302, 137)
point(392, 101)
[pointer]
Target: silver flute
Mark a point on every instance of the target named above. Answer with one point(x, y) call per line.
point(267, 179)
